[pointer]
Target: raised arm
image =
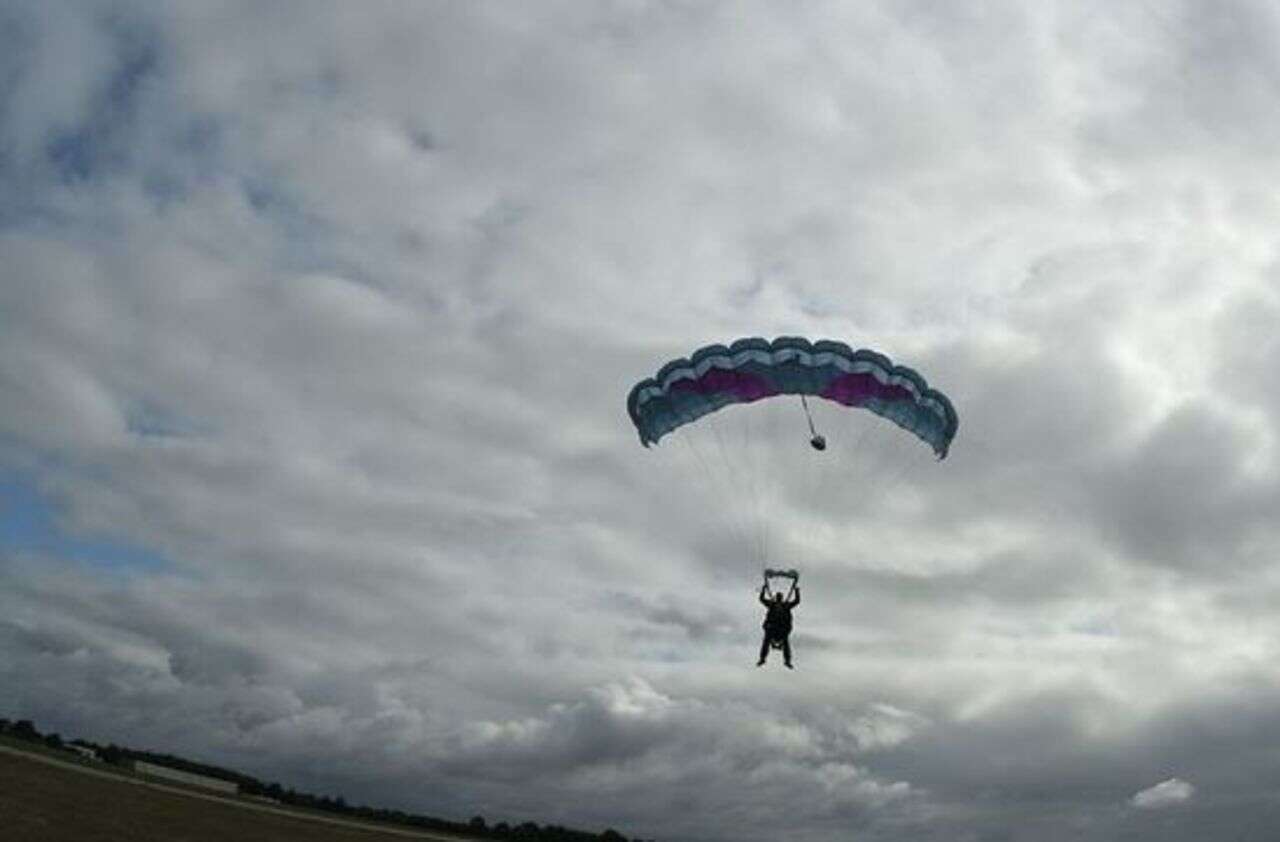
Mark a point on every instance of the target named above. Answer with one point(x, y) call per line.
point(796, 599)
point(763, 590)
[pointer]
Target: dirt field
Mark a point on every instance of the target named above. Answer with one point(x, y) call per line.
point(44, 800)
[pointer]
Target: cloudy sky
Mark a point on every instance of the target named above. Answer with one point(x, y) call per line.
point(317, 322)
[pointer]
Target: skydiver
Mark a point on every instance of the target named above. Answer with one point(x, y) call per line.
point(777, 623)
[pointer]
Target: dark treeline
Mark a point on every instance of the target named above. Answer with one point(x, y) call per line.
point(25, 729)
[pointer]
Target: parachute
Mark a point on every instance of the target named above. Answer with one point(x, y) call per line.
point(754, 369)
point(775, 503)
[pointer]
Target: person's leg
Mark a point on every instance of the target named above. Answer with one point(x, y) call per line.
point(764, 650)
point(786, 649)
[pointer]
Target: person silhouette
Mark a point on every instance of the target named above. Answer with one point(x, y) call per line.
point(777, 623)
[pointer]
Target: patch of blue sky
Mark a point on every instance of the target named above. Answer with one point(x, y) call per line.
point(192, 158)
point(304, 237)
point(81, 151)
point(98, 143)
point(29, 525)
point(75, 155)
point(98, 140)
point(155, 422)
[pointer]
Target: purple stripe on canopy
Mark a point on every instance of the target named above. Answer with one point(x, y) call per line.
point(858, 388)
point(743, 385)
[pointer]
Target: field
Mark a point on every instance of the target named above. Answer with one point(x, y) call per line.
point(43, 799)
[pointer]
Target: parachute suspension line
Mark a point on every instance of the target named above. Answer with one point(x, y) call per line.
point(890, 461)
point(905, 466)
point(768, 478)
point(742, 468)
point(816, 441)
point(717, 485)
point(752, 457)
point(743, 493)
point(737, 481)
point(861, 431)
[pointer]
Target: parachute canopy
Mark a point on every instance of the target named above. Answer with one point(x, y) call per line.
point(752, 369)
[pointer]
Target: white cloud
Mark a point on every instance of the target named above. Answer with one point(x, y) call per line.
point(1164, 794)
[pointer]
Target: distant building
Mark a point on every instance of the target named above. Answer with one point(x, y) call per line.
point(83, 751)
point(190, 778)
point(263, 798)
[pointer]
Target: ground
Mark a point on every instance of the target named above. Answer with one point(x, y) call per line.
point(43, 799)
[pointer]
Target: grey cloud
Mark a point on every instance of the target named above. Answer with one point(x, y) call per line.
point(1181, 68)
point(692, 620)
point(627, 731)
point(42, 640)
point(1144, 499)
